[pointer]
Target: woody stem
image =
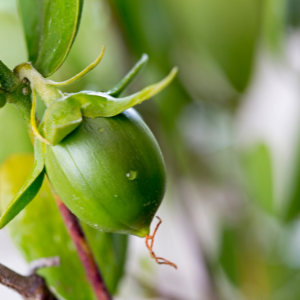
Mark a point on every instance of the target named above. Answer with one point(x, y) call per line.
point(84, 251)
point(30, 287)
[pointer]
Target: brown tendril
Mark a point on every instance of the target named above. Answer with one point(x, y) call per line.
point(159, 260)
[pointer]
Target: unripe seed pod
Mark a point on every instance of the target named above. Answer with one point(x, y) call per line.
point(110, 173)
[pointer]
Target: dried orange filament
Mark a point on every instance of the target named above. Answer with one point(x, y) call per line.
point(159, 260)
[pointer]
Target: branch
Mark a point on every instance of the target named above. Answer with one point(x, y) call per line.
point(84, 251)
point(43, 263)
point(31, 287)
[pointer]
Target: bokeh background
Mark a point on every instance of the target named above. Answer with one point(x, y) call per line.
point(228, 127)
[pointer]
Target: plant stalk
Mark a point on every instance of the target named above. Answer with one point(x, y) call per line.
point(84, 251)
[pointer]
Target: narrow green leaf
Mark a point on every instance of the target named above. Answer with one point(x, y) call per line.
point(127, 80)
point(30, 188)
point(39, 232)
point(50, 29)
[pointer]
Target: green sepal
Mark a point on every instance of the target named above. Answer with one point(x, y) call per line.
point(65, 117)
point(100, 105)
point(30, 187)
point(128, 79)
point(50, 30)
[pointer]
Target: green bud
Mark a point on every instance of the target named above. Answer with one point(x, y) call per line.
point(110, 173)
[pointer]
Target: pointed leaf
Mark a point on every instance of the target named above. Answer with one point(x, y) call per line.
point(39, 232)
point(97, 104)
point(127, 80)
point(50, 29)
point(29, 189)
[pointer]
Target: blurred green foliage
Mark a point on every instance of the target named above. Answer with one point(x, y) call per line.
point(259, 177)
point(16, 139)
point(293, 12)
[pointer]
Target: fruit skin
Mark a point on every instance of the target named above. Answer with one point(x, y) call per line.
point(89, 171)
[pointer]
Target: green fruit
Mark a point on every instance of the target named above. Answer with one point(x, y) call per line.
point(110, 173)
point(39, 232)
point(105, 165)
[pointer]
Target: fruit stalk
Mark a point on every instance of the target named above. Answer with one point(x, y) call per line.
point(84, 251)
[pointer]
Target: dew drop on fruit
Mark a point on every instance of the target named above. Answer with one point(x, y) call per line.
point(131, 175)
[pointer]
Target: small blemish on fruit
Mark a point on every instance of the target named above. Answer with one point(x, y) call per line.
point(101, 130)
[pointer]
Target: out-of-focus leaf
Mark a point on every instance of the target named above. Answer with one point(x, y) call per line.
point(50, 29)
point(274, 23)
point(228, 29)
point(12, 50)
point(250, 266)
point(40, 232)
point(259, 177)
point(13, 134)
point(292, 205)
point(29, 189)
point(293, 15)
point(229, 254)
